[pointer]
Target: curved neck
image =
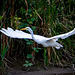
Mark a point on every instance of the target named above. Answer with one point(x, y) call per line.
point(32, 34)
point(34, 38)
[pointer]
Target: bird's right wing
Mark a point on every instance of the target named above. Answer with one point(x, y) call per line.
point(19, 34)
point(15, 34)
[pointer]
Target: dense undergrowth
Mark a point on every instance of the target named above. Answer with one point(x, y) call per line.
point(46, 18)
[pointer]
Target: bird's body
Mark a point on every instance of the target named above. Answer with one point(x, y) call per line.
point(46, 42)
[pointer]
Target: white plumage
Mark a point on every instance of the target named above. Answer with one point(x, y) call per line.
point(46, 42)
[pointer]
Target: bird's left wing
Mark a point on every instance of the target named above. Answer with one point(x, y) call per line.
point(15, 34)
point(63, 36)
point(19, 34)
point(55, 38)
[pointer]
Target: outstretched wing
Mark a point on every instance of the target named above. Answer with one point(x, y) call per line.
point(19, 34)
point(64, 36)
point(55, 38)
point(15, 34)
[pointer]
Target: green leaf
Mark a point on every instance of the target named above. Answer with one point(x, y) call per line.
point(30, 42)
point(33, 57)
point(27, 62)
point(26, 40)
point(39, 48)
point(28, 20)
point(29, 14)
point(29, 55)
point(23, 25)
point(29, 10)
point(30, 64)
point(33, 28)
point(32, 19)
point(1, 17)
point(26, 65)
point(34, 48)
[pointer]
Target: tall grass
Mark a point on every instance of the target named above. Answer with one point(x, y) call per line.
point(4, 50)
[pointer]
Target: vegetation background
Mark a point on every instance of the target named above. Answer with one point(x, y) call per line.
point(46, 18)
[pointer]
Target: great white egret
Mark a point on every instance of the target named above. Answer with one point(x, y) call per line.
point(46, 42)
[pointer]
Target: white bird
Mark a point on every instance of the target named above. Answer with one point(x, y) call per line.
point(46, 42)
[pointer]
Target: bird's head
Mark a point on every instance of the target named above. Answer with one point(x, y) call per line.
point(28, 29)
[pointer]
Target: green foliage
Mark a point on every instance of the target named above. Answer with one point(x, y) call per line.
point(29, 55)
point(1, 17)
point(27, 64)
point(29, 42)
point(33, 28)
point(36, 49)
point(23, 25)
point(24, 13)
point(3, 52)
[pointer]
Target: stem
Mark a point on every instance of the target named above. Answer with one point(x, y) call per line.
point(44, 55)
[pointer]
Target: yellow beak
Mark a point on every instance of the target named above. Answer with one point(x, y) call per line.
point(23, 29)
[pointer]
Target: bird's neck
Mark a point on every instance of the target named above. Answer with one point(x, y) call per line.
point(32, 34)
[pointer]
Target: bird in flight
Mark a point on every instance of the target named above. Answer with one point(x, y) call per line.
point(45, 41)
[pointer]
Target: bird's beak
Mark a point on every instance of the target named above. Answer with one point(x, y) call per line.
point(23, 29)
